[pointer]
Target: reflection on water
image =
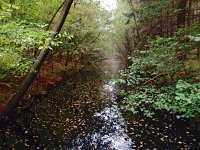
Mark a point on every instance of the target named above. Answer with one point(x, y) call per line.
point(82, 113)
point(111, 134)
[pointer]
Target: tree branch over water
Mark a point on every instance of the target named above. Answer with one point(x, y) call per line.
point(15, 100)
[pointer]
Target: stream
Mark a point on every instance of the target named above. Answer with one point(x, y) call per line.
point(82, 114)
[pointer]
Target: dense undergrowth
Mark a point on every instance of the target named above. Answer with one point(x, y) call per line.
point(165, 77)
point(24, 33)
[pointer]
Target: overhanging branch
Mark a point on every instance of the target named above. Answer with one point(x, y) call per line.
point(15, 100)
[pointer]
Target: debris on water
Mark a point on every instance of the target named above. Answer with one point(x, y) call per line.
point(112, 131)
point(83, 114)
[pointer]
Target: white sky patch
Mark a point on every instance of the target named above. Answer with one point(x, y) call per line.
point(109, 4)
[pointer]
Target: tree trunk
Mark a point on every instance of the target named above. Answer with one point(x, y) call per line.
point(181, 15)
point(12, 2)
point(189, 13)
point(13, 103)
point(54, 16)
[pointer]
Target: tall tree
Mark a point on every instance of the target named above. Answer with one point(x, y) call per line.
point(181, 15)
point(13, 103)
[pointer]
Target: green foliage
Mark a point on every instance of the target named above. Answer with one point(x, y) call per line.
point(187, 99)
point(5, 11)
point(157, 78)
point(195, 38)
point(22, 38)
point(19, 41)
point(39, 11)
point(161, 58)
point(182, 100)
point(80, 35)
point(147, 10)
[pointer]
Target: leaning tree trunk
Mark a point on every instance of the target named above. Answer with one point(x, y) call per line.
point(13, 103)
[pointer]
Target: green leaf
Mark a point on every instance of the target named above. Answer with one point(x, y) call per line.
point(41, 47)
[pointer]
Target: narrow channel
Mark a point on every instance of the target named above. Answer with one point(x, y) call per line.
point(82, 113)
point(111, 133)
